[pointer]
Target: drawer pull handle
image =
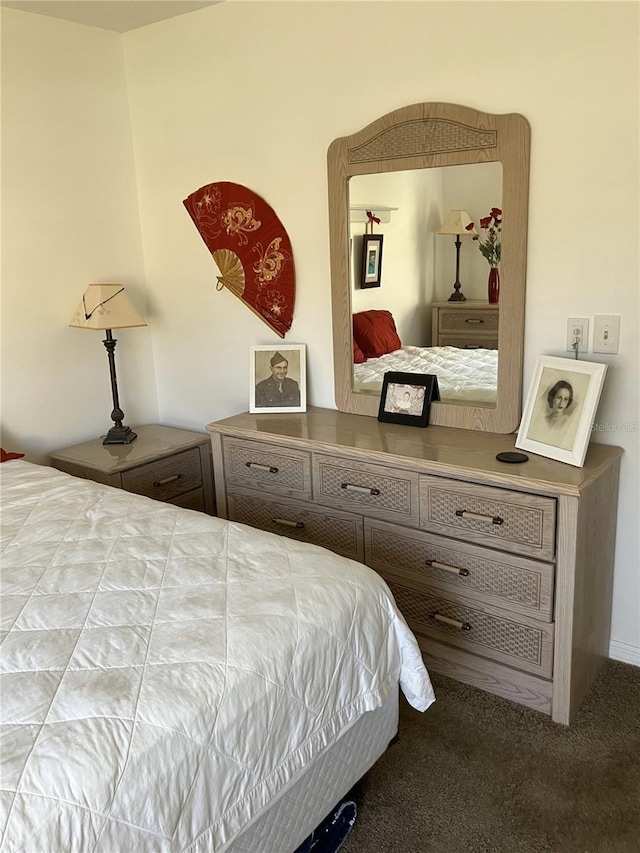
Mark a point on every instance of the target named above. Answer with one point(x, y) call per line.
point(494, 519)
point(461, 626)
point(434, 564)
point(363, 490)
point(270, 469)
point(166, 480)
point(475, 320)
point(286, 523)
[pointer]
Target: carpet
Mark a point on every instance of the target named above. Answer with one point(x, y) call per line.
point(479, 774)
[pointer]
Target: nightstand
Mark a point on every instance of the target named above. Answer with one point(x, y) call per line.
point(167, 464)
point(467, 325)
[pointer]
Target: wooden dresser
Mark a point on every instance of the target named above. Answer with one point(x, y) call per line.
point(468, 325)
point(503, 572)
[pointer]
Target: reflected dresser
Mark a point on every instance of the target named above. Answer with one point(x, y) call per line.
point(503, 572)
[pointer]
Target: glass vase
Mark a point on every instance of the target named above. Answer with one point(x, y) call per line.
point(494, 285)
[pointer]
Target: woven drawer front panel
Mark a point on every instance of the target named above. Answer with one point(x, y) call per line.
point(519, 645)
point(468, 321)
point(525, 523)
point(469, 341)
point(338, 532)
point(521, 585)
point(165, 478)
point(259, 465)
point(190, 500)
point(370, 489)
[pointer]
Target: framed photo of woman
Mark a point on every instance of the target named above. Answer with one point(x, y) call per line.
point(560, 408)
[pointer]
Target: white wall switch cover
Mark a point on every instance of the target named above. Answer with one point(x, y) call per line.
point(606, 333)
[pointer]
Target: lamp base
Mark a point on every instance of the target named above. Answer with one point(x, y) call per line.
point(457, 296)
point(120, 435)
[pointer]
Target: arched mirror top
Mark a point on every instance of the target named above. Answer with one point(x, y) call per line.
point(428, 136)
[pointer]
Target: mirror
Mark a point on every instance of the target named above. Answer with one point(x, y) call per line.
point(424, 160)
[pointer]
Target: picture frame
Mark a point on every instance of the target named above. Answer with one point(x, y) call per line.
point(560, 408)
point(406, 397)
point(371, 261)
point(278, 379)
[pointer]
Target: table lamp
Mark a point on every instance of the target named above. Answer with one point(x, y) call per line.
point(105, 307)
point(457, 222)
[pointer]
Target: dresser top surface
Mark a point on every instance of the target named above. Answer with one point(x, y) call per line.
point(153, 442)
point(465, 454)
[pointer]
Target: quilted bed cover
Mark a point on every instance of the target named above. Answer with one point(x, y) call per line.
point(463, 374)
point(165, 674)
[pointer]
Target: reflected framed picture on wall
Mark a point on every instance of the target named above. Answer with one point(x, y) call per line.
point(371, 260)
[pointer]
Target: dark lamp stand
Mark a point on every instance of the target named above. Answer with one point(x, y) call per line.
point(457, 295)
point(118, 434)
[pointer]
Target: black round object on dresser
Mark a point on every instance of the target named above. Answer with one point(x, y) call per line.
point(512, 456)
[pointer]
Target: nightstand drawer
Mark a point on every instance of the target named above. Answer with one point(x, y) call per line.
point(166, 478)
point(466, 321)
point(256, 465)
point(338, 531)
point(491, 516)
point(469, 341)
point(369, 489)
point(446, 567)
point(520, 643)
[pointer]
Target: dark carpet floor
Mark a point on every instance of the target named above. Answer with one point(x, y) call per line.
point(479, 774)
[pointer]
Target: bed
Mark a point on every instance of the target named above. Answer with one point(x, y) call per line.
point(173, 681)
point(464, 375)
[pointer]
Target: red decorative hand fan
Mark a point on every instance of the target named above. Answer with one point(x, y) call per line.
point(250, 247)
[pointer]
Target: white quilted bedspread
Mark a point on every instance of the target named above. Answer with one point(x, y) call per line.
point(165, 673)
point(463, 374)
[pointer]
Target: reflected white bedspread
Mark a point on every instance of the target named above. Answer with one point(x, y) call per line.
point(165, 673)
point(463, 374)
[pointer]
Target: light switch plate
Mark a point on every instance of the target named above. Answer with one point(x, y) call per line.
point(606, 333)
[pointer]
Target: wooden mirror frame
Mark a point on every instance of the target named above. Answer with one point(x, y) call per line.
point(424, 136)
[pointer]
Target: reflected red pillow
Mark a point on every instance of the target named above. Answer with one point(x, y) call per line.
point(5, 457)
point(375, 333)
point(358, 355)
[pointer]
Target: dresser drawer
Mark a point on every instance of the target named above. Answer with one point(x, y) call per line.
point(370, 489)
point(489, 516)
point(166, 478)
point(280, 470)
point(518, 642)
point(338, 531)
point(446, 567)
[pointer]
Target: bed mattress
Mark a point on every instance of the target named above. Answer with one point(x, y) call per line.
point(463, 374)
point(166, 674)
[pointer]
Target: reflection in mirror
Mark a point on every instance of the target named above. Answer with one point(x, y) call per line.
point(427, 139)
point(418, 273)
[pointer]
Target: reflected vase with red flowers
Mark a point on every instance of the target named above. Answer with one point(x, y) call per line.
point(491, 248)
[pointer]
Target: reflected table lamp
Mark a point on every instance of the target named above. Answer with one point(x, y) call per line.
point(105, 307)
point(457, 222)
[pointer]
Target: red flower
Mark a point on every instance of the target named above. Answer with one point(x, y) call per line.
point(485, 222)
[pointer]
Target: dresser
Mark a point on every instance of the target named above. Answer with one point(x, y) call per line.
point(164, 463)
point(468, 325)
point(503, 572)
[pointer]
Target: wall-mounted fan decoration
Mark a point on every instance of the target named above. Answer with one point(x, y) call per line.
point(250, 248)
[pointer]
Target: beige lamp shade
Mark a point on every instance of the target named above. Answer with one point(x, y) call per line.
point(456, 222)
point(105, 306)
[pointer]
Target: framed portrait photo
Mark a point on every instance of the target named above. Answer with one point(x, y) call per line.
point(371, 260)
point(278, 379)
point(560, 408)
point(406, 397)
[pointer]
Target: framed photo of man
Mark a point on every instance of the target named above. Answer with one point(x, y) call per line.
point(560, 408)
point(278, 379)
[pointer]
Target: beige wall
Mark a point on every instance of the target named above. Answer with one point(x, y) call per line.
point(254, 93)
point(69, 217)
